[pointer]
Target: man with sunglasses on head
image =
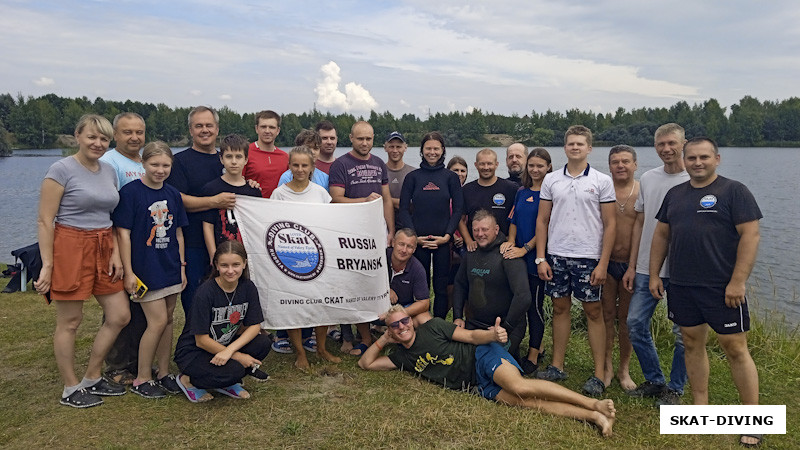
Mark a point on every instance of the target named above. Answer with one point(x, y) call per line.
point(475, 361)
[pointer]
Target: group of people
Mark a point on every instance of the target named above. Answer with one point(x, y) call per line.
point(139, 222)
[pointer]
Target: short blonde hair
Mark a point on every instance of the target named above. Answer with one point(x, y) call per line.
point(395, 309)
point(98, 122)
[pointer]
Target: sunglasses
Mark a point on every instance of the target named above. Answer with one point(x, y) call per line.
point(396, 324)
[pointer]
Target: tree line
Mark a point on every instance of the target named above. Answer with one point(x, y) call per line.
point(37, 122)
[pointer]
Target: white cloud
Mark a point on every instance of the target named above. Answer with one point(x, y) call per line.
point(44, 81)
point(469, 109)
point(225, 97)
point(354, 98)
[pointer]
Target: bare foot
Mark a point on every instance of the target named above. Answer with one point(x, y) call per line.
point(609, 373)
point(204, 398)
point(625, 381)
point(606, 424)
point(606, 408)
point(302, 364)
point(346, 347)
point(328, 357)
point(244, 394)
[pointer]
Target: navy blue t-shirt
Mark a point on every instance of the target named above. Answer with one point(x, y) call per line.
point(191, 170)
point(411, 284)
point(153, 217)
point(702, 225)
point(225, 226)
point(523, 216)
point(497, 198)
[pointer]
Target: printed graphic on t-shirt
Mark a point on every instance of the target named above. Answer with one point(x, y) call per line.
point(229, 229)
point(162, 221)
point(425, 360)
point(225, 321)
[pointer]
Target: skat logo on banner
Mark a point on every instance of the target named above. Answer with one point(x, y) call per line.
point(295, 250)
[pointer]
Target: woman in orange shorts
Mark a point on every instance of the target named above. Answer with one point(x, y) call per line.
point(80, 257)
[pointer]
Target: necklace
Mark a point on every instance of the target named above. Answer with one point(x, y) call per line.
point(622, 205)
point(233, 296)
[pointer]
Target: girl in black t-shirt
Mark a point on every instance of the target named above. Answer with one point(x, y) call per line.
point(221, 342)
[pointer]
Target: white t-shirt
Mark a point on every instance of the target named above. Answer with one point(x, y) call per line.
point(576, 225)
point(127, 170)
point(313, 193)
point(653, 187)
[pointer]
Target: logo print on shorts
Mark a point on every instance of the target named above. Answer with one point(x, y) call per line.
point(499, 199)
point(295, 250)
point(708, 201)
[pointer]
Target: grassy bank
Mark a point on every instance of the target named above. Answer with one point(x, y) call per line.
point(341, 406)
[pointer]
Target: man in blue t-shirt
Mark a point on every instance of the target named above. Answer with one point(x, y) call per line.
point(407, 281)
point(710, 227)
point(129, 138)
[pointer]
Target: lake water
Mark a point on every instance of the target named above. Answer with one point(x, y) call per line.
point(768, 172)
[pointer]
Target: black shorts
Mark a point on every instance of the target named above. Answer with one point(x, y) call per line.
point(616, 269)
point(689, 306)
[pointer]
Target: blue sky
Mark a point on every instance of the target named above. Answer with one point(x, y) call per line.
point(404, 57)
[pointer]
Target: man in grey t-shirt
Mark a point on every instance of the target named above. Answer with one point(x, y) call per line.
point(653, 186)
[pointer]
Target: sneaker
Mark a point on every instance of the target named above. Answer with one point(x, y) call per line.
point(259, 374)
point(669, 397)
point(81, 399)
point(528, 366)
point(310, 345)
point(552, 373)
point(168, 383)
point(282, 346)
point(648, 389)
point(106, 388)
point(149, 389)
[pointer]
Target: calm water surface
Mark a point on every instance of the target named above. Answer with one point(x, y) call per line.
point(770, 173)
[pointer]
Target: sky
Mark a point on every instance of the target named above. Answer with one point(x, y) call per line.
point(416, 56)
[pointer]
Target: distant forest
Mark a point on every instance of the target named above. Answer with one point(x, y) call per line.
point(37, 123)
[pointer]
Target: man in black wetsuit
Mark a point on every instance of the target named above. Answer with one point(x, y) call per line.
point(488, 285)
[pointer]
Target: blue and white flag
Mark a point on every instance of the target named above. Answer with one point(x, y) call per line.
point(315, 264)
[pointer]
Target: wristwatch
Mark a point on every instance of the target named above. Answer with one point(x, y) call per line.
point(538, 260)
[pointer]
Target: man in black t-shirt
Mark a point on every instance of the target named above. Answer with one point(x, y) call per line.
point(487, 192)
point(710, 226)
point(474, 360)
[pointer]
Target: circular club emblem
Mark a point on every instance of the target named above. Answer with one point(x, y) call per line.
point(708, 201)
point(499, 199)
point(295, 250)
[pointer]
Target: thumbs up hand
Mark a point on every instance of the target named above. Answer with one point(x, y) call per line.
point(500, 334)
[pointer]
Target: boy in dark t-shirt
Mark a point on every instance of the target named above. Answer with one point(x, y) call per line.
point(220, 225)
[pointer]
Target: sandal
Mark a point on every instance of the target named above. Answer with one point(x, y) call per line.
point(335, 335)
point(310, 344)
point(759, 437)
point(121, 376)
point(195, 395)
point(360, 348)
point(594, 387)
point(234, 391)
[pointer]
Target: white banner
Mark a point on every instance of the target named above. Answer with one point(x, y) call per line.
point(315, 264)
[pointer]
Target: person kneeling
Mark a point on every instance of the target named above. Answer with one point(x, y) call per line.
point(457, 358)
point(221, 342)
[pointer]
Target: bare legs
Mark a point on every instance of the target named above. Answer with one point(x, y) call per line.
point(295, 337)
point(613, 290)
point(69, 315)
point(552, 398)
point(157, 338)
point(743, 369)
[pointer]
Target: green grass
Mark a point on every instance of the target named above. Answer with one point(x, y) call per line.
point(341, 406)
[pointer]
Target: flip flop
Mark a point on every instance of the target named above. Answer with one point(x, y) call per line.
point(360, 347)
point(234, 390)
point(192, 393)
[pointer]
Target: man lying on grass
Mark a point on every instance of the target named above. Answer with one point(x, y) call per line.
point(462, 359)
